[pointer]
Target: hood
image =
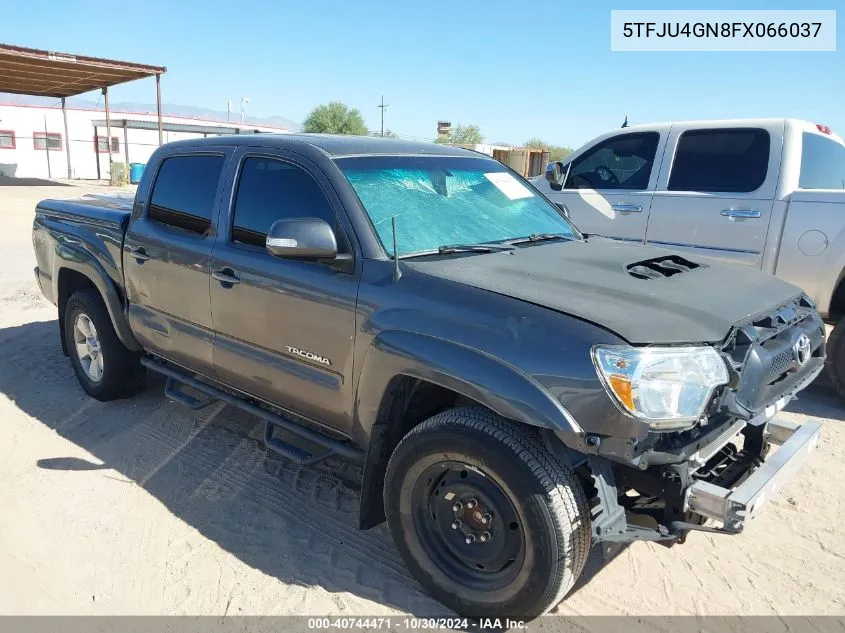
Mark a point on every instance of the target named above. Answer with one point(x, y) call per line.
point(643, 294)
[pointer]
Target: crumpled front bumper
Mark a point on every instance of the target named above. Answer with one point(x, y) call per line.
point(735, 506)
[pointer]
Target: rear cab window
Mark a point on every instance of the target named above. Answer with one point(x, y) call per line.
point(620, 162)
point(184, 192)
point(822, 163)
point(721, 160)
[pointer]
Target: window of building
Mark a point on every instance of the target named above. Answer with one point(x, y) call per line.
point(102, 145)
point(270, 190)
point(822, 163)
point(7, 139)
point(184, 194)
point(621, 162)
point(720, 160)
point(47, 140)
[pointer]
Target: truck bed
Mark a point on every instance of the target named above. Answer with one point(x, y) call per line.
point(68, 229)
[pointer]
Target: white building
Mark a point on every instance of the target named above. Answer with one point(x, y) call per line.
point(33, 143)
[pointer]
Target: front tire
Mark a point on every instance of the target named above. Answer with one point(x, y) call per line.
point(486, 519)
point(835, 361)
point(106, 370)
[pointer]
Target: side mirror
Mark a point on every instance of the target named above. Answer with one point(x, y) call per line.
point(302, 238)
point(555, 174)
point(563, 209)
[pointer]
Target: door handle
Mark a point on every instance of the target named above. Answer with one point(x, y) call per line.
point(226, 276)
point(140, 254)
point(627, 208)
point(740, 213)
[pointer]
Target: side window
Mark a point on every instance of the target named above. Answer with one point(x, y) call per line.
point(184, 191)
point(621, 162)
point(270, 190)
point(822, 163)
point(718, 160)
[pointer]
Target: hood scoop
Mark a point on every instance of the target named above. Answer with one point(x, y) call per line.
point(661, 267)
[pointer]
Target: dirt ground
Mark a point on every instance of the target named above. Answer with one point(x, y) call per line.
point(143, 507)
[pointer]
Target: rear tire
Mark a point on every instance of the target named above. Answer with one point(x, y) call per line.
point(523, 526)
point(835, 361)
point(106, 370)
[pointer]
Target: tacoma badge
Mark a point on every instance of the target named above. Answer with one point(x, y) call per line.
point(309, 355)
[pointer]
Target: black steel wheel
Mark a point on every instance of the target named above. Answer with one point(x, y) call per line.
point(487, 520)
point(468, 525)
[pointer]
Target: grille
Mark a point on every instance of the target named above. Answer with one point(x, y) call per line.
point(781, 362)
point(761, 353)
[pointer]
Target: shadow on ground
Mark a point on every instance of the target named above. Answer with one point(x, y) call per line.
point(5, 181)
point(210, 468)
point(820, 400)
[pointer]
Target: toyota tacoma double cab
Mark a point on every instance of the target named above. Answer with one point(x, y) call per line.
point(515, 391)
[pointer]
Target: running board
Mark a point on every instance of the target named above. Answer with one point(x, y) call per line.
point(272, 420)
point(173, 392)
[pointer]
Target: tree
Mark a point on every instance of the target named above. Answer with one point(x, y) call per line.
point(462, 135)
point(556, 152)
point(335, 118)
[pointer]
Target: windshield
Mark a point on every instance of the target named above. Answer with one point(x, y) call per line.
point(440, 201)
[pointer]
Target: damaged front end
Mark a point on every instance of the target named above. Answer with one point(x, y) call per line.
point(724, 466)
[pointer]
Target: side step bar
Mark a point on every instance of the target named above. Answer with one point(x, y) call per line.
point(272, 420)
point(172, 391)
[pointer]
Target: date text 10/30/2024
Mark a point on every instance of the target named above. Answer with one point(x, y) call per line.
point(415, 624)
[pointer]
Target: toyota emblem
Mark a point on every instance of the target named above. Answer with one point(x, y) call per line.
point(802, 350)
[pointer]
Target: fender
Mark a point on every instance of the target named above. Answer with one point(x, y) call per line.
point(833, 265)
point(74, 258)
point(487, 380)
point(477, 375)
point(824, 303)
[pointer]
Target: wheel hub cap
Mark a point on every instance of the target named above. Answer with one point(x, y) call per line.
point(87, 347)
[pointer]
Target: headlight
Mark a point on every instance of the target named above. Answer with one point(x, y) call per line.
point(668, 387)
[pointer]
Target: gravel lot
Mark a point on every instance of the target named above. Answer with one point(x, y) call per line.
point(142, 507)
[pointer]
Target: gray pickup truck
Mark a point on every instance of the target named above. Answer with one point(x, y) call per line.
point(515, 391)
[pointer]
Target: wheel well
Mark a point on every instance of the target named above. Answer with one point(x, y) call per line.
point(837, 301)
point(70, 281)
point(407, 401)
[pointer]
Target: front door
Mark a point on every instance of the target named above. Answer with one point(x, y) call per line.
point(284, 328)
point(608, 187)
point(166, 256)
point(715, 197)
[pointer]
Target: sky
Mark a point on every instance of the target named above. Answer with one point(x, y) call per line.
point(515, 69)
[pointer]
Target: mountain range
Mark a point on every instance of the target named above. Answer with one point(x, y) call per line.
point(171, 109)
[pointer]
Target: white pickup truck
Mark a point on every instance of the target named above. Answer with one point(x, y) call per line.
point(766, 193)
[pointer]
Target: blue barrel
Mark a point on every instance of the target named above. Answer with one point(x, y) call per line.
point(136, 170)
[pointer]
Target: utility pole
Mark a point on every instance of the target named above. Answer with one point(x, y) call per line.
point(244, 101)
point(382, 106)
point(228, 111)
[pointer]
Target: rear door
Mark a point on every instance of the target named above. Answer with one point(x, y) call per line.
point(166, 257)
point(608, 186)
point(716, 191)
point(811, 254)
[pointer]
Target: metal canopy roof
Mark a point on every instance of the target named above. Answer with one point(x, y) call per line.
point(49, 74)
point(197, 128)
